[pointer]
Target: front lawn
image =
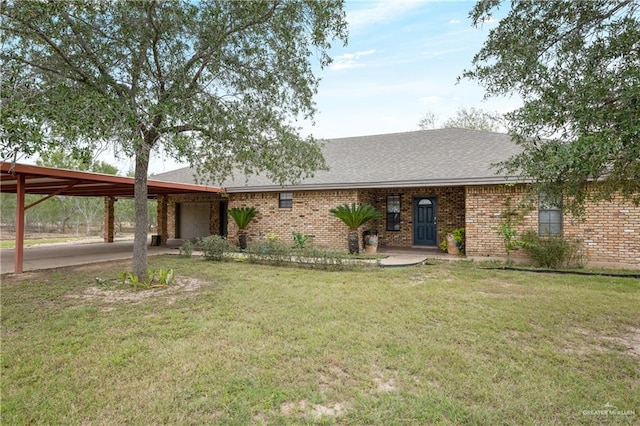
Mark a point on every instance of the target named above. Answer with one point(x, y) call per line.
point(239, 343)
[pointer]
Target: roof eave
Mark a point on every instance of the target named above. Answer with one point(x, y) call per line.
point(496, 180)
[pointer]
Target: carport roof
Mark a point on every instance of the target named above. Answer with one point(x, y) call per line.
point(47, 181)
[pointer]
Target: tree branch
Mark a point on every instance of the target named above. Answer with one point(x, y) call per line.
point(205, 56)
point(45, 68)
point(154, 46)
point(84, 77)
point(183, 128)
point(101, 68)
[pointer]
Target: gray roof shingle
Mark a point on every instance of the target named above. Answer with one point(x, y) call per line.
point(420, 158)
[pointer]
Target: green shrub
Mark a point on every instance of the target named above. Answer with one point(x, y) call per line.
point(300, 240)
point(551, 252)
point(213, 247)
point(186, 249)
point(331, 260)
point(271, 250)
point(164, 278)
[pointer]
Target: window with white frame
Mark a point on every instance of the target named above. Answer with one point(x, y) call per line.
point(549, 216)
point(285, 200)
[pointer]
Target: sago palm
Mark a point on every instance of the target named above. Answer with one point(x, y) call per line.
point(242, 216)
point(354, 216)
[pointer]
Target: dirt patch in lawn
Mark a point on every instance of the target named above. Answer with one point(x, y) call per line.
point(304, 408)
point(385, 381)
point(630, 341)
point(181, 286)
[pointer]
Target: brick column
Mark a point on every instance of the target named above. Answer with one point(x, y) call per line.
point(109, 203)
point(162, 227)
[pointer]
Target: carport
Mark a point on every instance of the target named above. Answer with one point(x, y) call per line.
point(21, 179)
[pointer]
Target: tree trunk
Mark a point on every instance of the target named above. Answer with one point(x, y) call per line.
point(242, 239)
point(141, 213)
point(354, 242)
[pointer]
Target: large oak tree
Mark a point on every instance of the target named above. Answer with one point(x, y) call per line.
point(219, 84)
point(576, 65)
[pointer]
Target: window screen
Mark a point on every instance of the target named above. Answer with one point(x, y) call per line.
point(393, 213)
point(286, 200)
point(549, 217)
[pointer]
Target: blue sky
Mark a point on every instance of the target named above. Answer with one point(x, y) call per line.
point(402, 60)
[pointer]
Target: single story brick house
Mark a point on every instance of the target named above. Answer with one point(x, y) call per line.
point(422, 182)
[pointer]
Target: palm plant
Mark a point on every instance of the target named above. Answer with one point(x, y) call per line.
point(242, 216)
point(354, 217)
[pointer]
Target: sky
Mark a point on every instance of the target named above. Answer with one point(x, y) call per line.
point(402, 60)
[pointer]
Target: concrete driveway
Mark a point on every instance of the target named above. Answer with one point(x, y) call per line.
point(70, 254)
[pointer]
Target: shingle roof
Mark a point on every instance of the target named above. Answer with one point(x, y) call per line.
point(438, 157)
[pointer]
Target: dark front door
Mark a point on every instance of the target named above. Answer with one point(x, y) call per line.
point(424, 221)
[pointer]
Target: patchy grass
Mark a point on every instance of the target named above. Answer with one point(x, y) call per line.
point(30, 241)
point(239, 343)
point(38, 241)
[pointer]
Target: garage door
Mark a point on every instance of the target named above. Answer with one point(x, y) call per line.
point(194, 220)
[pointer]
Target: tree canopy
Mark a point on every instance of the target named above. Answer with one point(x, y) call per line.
point(465, 118)
point(475, 119)
point(576, 66)
point(219, 84)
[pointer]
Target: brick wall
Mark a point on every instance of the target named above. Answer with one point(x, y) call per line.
point(450, 212)
point(484, 206)
point(309, 215)
point(609, 234)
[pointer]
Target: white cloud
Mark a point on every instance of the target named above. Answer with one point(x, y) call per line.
point(430, 100)
point(380, 11)
point(349, 60)
point(455, 21)
point(443, 52)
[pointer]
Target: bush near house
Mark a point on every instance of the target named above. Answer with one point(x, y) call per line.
point(552, 252)
point(214, 247)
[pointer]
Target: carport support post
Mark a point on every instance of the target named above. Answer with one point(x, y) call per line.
point(109, 203)
point(19, 252)
point(161, 224)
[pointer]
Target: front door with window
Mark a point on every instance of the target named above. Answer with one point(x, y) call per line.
point(424, 221)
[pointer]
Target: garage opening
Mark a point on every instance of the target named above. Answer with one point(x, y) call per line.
point(193, 221)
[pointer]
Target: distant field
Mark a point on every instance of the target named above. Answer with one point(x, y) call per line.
point(8, 239)
point(238, 343)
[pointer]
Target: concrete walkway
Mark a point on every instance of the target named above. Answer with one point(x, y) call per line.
point(80, 253)
point(407, 256)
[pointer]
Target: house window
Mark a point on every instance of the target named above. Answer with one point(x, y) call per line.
point(393, 213)
point(549, 217)
point(285, 200)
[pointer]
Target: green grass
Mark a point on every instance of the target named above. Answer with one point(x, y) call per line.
point(241, 343)
point(8, 244)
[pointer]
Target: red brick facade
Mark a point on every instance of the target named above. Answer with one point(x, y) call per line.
point(450, 211)
point(308, 215)
point(610, 234)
